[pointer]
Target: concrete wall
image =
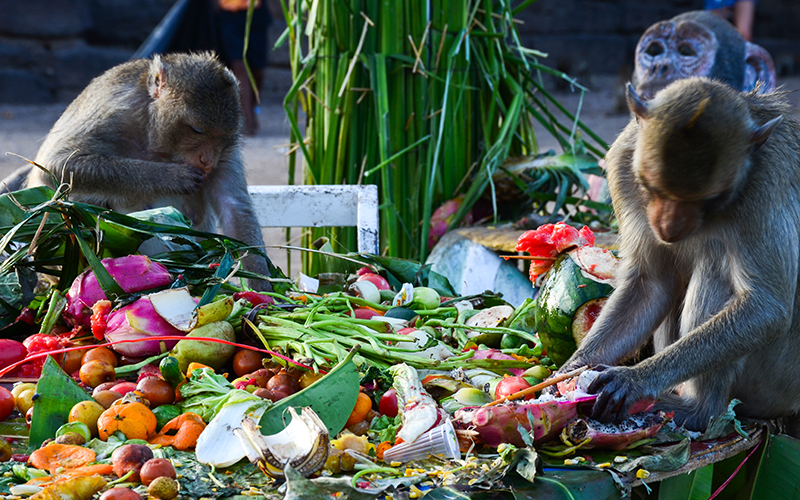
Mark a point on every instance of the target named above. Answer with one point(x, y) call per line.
point(50, 49)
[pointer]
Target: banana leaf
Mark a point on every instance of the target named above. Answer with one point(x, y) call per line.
point(57, 393)
point(45, 232)
point(778, 473)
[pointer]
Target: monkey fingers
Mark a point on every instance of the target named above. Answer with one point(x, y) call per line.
point(190, 180)
point(616, 393)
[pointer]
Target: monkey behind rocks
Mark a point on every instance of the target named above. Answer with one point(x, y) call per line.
point(152, 133)
point(705, 181)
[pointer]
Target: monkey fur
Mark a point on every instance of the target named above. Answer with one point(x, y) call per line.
point(705, 182)
point(153, 133)
point(699, 43)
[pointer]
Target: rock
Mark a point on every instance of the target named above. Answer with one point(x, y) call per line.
point(473, 268)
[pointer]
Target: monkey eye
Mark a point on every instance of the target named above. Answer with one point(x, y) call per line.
point(197, 130)
point(687, 49)
point(654, 49)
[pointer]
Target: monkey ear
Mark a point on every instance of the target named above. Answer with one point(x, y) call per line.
point(157, 79)
point(635, 103)
point(761, 134)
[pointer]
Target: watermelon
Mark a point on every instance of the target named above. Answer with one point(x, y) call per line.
point(571, 297)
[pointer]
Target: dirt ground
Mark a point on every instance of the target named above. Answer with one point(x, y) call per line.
point(22, 129)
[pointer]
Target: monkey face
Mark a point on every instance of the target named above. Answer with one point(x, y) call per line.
point(669, 51)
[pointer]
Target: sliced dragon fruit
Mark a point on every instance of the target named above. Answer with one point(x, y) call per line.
point(139, 320)
point(616, 437)
point(500, 423)
point(134, 273)
point(549, 240)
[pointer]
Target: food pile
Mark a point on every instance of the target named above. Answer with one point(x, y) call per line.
point(372, 381)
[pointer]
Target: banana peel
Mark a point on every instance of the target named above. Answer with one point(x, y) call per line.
point(304, 444)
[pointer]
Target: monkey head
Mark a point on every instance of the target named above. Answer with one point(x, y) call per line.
point(191, 120)
point(693, 151)
point(699, 43)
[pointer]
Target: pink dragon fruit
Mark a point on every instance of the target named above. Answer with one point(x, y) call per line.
point(549, 240)
point(616, 437)
point(443, 216)
point(139, 320)
point(499, 424)
point(134, 273)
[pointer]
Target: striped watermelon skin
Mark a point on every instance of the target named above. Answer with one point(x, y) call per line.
point(563, 292)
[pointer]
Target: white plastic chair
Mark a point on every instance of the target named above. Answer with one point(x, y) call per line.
point(320, 206)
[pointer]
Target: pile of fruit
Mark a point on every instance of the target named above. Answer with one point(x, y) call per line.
point(175, 391)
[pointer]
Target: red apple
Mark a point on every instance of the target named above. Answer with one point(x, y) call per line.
point(388, 404)
point(124, 388)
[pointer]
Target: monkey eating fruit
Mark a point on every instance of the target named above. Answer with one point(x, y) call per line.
point(153, 133)
point(705, 181)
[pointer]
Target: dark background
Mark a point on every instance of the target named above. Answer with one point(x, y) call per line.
point(50, 49)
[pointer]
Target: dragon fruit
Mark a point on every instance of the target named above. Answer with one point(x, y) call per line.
point(616, 437)
point(443, 216)
point(548, 241)
point(134, 273)
point(500, 423)
point(139, 320)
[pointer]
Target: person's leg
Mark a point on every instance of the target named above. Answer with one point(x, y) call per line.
point(248, 98)
point(744, 12)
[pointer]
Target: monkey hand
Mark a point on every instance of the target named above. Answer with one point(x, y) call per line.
point(617, 389)
point(184, 179)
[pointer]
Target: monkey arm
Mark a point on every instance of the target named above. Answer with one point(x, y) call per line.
point(734, 314)
point(631, 315)
point(109, 177)
point(227, 194)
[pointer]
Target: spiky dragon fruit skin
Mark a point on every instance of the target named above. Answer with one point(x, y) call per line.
point(139, 320)
point(615, 437)
point(133, 273)
point(499, 424)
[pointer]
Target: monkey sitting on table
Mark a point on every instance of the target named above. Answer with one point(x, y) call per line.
point(705, 181)
point(153, 133)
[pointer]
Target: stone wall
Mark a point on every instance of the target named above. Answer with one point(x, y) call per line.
point(50, 49)
point(585, 37)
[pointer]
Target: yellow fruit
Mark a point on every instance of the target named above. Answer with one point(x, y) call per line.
point(24, 401)
point(87, 412)
point(21, 386)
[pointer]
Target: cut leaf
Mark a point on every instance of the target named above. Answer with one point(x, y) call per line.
point(332, 398)
point(58, 393)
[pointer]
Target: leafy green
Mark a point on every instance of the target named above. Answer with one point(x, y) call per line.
point(201, 481)
point(386, 427)
point(724, 424)
point(205, 392)
point(104, 449)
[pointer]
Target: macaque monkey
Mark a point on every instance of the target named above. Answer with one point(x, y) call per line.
point(699, 43)
point(153, 133)
point(705, 181)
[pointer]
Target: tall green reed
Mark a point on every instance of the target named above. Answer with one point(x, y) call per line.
point(426, 99)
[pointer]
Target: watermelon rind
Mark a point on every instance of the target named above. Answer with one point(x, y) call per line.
point(564, 290)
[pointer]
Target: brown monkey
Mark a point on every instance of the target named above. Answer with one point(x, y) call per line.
point(151, 133)
point(705, 182)
point(699, 43)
